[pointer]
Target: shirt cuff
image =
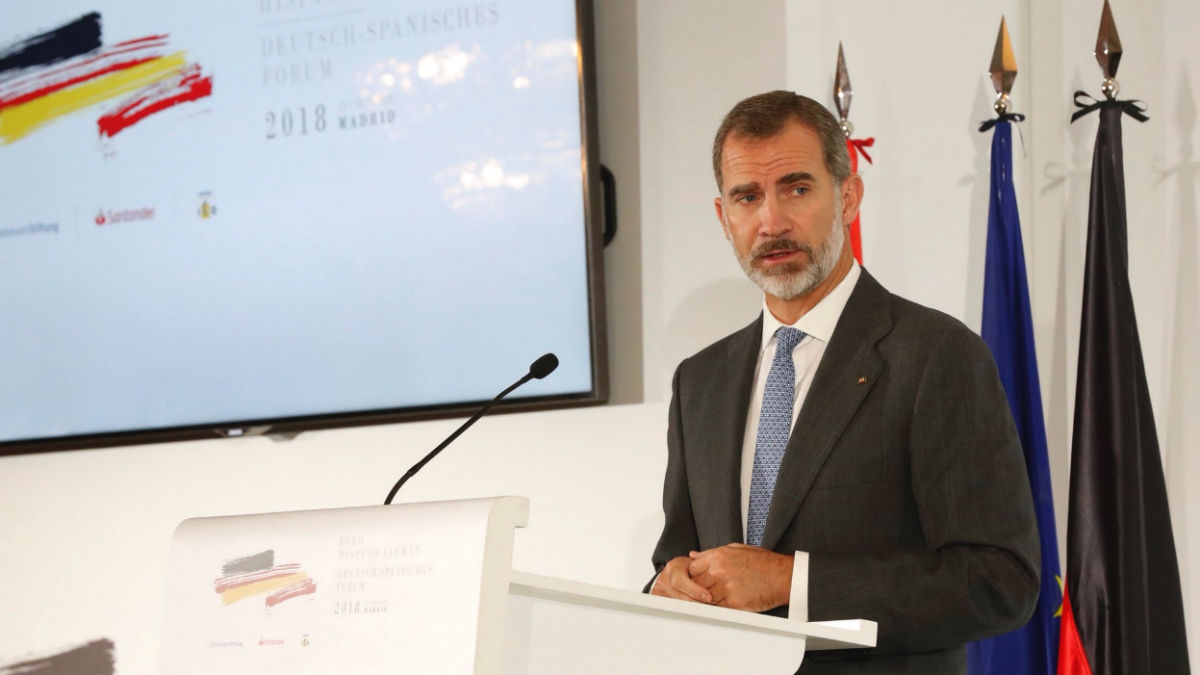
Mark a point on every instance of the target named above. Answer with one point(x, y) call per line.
point(798, 600)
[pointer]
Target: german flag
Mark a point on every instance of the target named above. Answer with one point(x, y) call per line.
point(1122, 607)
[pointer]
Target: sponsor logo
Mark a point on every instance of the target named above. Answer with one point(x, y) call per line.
point(32, 228)
point(114, 216)
point(270, 642)
point(207, 208)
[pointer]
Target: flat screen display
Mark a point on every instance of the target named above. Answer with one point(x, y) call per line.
point(288, 212)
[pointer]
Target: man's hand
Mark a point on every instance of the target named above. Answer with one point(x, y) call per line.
point(742, 577)
point(674, 582)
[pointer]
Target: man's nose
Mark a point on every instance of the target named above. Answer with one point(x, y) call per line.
point(773, 221)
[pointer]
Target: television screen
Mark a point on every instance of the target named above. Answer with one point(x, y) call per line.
point(287, 214)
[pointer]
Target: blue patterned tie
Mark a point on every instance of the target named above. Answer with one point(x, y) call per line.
point(774, 427)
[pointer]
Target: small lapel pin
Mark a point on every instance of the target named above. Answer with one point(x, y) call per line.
point(862, 380)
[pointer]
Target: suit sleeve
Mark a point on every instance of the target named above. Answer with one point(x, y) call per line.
point(977, 574)
point(679, 529)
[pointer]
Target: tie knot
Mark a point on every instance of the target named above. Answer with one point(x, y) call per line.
point(788, 338)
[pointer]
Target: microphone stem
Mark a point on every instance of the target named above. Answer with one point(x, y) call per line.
point(465, 425)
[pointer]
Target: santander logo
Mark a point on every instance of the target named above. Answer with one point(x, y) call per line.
point(114, 216)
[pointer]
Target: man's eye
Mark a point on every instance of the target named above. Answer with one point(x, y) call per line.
point(800, 189)
point(748, 199)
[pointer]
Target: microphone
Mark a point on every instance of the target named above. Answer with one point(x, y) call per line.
point(537, 370)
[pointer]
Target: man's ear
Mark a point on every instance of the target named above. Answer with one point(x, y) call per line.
point(721, 216)
point(852, 195)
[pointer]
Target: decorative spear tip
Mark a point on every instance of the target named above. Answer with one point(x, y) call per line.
point(1108, 52)
point(1003, 68)
point(842, 92)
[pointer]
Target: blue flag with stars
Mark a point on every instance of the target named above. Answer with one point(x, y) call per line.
point(1008, 331)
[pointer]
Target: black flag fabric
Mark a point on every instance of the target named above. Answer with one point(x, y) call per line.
point(1123, 606)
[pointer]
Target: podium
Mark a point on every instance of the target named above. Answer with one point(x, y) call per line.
point(428, 588)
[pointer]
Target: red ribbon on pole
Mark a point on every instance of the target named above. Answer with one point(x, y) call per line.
point(856, 146)
point(853, 144)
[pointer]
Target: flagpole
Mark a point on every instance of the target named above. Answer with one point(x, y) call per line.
point(842, 95)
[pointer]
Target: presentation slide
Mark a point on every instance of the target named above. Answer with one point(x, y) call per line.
point(253, 209)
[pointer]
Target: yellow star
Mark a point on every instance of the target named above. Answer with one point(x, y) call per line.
point(1058, 613)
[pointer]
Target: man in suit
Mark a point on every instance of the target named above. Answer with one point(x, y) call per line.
point(900, 493)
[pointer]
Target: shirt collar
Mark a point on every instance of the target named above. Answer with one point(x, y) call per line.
point(819, 321)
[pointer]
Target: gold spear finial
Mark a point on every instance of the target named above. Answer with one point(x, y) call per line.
point(1003, 69)
point(1108, 52)
point(842, 93)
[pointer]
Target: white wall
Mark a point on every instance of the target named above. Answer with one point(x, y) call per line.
point(87, 532)
point(695, 60)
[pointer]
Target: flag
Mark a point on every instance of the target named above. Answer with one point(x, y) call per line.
point(1008, 331)
point(1123, 611)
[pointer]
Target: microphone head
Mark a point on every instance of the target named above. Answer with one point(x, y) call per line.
point(543, 366)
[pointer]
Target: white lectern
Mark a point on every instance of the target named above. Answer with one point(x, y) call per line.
point(428, 588)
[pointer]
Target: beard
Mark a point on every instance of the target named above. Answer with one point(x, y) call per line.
point(788, 282)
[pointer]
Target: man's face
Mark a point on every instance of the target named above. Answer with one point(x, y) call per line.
point(780, 209)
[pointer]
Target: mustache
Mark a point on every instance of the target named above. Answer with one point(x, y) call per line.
point(777, 245)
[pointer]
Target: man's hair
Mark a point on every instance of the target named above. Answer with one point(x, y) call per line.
point(765, 115)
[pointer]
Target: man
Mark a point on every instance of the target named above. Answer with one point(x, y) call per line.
point(899, 494)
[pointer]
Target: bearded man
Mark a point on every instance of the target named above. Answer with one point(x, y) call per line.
point(849, 454)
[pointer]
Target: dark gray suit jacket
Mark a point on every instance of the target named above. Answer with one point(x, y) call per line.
point(904, 480)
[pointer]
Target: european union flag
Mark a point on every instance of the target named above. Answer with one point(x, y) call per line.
point(1008, 331)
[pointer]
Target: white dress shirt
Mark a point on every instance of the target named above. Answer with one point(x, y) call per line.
point(818, 324)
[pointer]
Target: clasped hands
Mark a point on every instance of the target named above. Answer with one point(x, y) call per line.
point(735, 575)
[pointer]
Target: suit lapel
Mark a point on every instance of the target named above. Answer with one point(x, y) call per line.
point(722, 423)
point(848, 370)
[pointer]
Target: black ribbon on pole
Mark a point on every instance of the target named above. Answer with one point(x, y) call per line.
point(1135, 109)
point(1006, 117)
